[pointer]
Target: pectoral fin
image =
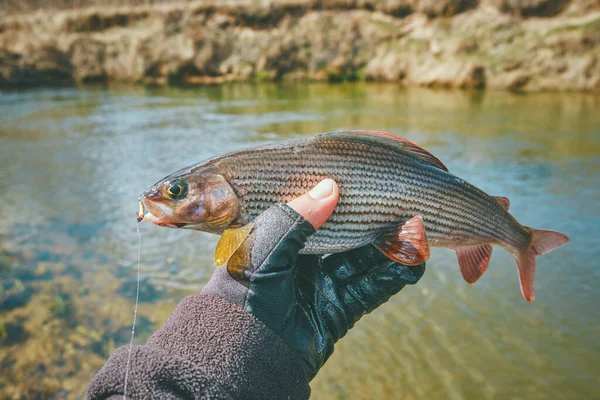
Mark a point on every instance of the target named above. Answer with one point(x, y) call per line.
point(230, 240)
point(406, 243)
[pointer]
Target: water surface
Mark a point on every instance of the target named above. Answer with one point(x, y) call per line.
point(73, 163)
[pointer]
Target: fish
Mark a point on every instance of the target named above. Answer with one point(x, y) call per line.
point(393, 194)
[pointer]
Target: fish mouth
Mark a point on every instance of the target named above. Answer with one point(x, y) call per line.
point(143, 214)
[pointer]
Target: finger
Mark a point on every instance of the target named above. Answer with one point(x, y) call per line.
point(317, 205)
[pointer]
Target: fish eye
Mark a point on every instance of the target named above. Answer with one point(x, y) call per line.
point(176, 190)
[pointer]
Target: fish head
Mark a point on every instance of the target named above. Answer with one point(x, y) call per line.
point(201, 201)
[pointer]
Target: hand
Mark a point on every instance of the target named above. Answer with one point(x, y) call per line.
point(310, 302)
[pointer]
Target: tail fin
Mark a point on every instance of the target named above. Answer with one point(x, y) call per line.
point(542, 242)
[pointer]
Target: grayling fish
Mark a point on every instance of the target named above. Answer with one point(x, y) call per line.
point(393, 194)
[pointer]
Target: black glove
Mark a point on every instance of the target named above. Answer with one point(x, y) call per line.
point(310, 302)
point(264, 333)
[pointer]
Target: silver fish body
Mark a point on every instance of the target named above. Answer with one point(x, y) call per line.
point(380, 187)
point(393, 194)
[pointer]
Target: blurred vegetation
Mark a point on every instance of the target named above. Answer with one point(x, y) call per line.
point(517, 45)
point(26, 6)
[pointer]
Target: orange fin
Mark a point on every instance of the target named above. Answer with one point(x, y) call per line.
point(406, 244)
point(503, 201)
point(474, 261)
point(230, 240)
point(390, 140)
point(542, 242)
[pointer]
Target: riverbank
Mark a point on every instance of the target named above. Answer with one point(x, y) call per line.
point(494, 44)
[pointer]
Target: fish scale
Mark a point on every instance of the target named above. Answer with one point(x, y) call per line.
point(393, 194)
point(389, 187)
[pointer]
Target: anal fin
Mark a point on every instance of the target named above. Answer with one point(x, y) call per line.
point(474, 260)
point(230, 240)
point(406, 243)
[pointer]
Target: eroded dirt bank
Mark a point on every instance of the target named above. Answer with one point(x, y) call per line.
point(527, 45)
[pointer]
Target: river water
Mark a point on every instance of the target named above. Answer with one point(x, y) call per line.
point(73, 163)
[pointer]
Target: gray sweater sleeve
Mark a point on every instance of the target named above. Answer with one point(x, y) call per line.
point(208, 349)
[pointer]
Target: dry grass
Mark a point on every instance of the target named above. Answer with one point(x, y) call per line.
point(12, 7)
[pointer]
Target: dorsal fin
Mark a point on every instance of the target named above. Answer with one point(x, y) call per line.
point(392, 141)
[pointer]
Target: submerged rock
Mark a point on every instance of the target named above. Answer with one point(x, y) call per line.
point(61, 316)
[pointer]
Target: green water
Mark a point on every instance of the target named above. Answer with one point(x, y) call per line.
point(73, 163)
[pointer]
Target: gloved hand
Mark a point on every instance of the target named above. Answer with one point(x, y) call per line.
point(310, 302)
point(264, 326)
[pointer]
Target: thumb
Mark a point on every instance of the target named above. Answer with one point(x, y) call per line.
point(317, 205)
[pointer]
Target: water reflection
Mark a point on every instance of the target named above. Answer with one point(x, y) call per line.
point(74, 162)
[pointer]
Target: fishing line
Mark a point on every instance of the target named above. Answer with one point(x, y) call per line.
point(135, 308)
